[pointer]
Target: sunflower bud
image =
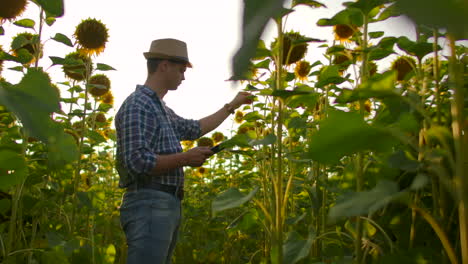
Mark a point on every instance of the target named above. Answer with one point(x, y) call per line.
point(75, 66)
point(99, 85)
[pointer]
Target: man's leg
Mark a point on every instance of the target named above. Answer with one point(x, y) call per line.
point(150, 220)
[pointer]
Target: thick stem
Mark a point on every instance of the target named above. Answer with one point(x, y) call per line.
point(461, 179)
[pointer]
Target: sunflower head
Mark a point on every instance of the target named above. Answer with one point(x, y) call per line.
point(302, 70)
point(292, 52)
point(343, 32)
point(25, 45)
point(101, 117)
point(91, 35)
point(187, 144)
point(108, 98)
point(201, 170)
point(75, 66)
point(99, 85)
point(205, 142)
point(239, 116)
point(403, 65)
point(217, 137)
point(12, 9)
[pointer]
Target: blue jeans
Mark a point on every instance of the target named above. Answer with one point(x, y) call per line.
point(150, 220)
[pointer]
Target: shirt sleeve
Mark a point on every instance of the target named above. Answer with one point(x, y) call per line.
point(187, 129)
point(137, 126)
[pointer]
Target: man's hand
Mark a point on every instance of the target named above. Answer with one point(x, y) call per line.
point(195, 157)
point(242, 98)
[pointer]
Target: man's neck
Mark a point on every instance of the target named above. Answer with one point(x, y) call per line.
point(157, 88)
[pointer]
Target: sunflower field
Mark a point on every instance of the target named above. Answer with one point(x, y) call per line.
point(337, 160)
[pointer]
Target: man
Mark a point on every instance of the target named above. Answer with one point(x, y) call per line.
point(150, 160)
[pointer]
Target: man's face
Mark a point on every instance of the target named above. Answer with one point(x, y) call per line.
point(175, 74)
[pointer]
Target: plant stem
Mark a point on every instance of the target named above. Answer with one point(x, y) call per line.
point(459, 137)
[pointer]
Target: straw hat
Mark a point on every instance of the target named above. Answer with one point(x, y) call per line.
point(170, 49)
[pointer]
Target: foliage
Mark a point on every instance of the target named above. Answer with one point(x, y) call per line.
point(347, 163)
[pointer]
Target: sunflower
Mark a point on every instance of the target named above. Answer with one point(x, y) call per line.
point(92, 36)
point(201, 170)
point(12, 9)
point(292, 52)
point(239, 116)
point(75, 66)
point(23, 47)
point(205, 142)
point(108, 98)
point(187, 144)
point(217, 137)
point(99, 85)
point(302, 70)
point(403, 65)
point(101, 117)
point(343, 32)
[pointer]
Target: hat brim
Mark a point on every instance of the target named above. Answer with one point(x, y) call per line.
point(153, 55)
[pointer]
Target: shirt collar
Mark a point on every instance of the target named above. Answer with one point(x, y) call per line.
point(149, 92)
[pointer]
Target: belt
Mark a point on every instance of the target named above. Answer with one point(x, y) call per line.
point(174, 190)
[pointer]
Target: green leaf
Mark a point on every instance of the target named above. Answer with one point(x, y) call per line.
point(329, 75)
point(296, 248)
point(400, 160)
point(349, 16)
point(50, 21)
point(2, 31)
point(57, 60)
point(255, 17)
point(447, 14)
point(63, 39)
point(378, 86)
point(14, 164)
point(104, 67)
point(267, 140)
point(19, 42)
point(53, 7)
point(390, 11)
point(418, 49)
point(345, 133)
point(17, 68)
point(376, 34)
point(96, 137)
point(364, 203)
point(310, 3)
point(366, 6)
point(26, 23)
point(231, 198)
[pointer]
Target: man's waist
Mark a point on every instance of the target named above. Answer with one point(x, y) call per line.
point(175, 190)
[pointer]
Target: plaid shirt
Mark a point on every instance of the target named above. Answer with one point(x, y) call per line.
point(145, 128)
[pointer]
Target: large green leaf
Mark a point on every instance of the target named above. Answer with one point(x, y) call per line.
point(267, 140)
point(378, 86)
point(346, 133)
point(52, 7)
point(364, 203)
point(296, 248)
point(349, 16)
point(59, 37)
point(310, 3)
point(255, 17)
point(447, 14)
point(418, 49)
point(231, 198)
point(32, 100)
point(329, 75)
point(13, 168)
point(366, 6)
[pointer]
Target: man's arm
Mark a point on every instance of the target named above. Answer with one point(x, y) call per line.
point(212, 121)
point(194, 157)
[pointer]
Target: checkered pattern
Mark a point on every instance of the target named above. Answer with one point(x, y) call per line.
point(145, 128)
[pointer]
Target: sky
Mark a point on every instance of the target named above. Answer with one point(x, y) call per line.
point(211, 29)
